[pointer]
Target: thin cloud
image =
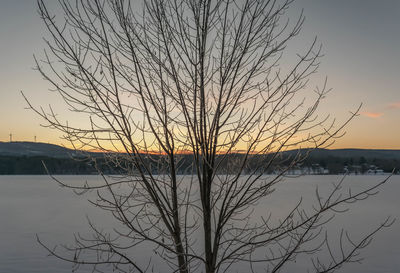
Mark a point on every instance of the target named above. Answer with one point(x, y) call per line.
point(372, 114)
point(394, 105)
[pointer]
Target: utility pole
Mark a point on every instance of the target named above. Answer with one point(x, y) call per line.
point(10, 137)
point(35, 138)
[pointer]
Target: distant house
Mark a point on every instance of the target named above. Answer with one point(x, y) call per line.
point(375, 171)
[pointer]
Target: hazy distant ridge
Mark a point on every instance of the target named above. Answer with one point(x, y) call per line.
point(354, 153)
point(34, 149)
point(27, 158)
point(52, 150)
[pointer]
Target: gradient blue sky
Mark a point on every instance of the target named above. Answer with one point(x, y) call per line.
point(361, 42)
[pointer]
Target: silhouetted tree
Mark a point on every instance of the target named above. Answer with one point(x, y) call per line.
point(196, 77)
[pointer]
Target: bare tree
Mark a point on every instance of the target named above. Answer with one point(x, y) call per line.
point(193, 87)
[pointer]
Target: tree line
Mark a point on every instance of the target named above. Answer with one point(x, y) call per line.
point(36, 165)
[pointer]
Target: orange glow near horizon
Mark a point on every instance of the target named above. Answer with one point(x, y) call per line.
point(349, 141)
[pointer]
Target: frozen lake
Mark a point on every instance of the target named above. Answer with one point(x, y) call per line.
point(31, 205)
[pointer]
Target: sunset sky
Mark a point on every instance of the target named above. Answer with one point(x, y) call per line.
point(361, 43)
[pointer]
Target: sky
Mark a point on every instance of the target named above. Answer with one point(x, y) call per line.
point(360, 38)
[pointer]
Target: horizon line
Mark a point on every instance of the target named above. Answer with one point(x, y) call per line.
point(190, 152)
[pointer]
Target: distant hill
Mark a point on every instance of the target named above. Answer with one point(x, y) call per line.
point(27, 157)
point(352, 153)
point(51, 150)
point(31, 149)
